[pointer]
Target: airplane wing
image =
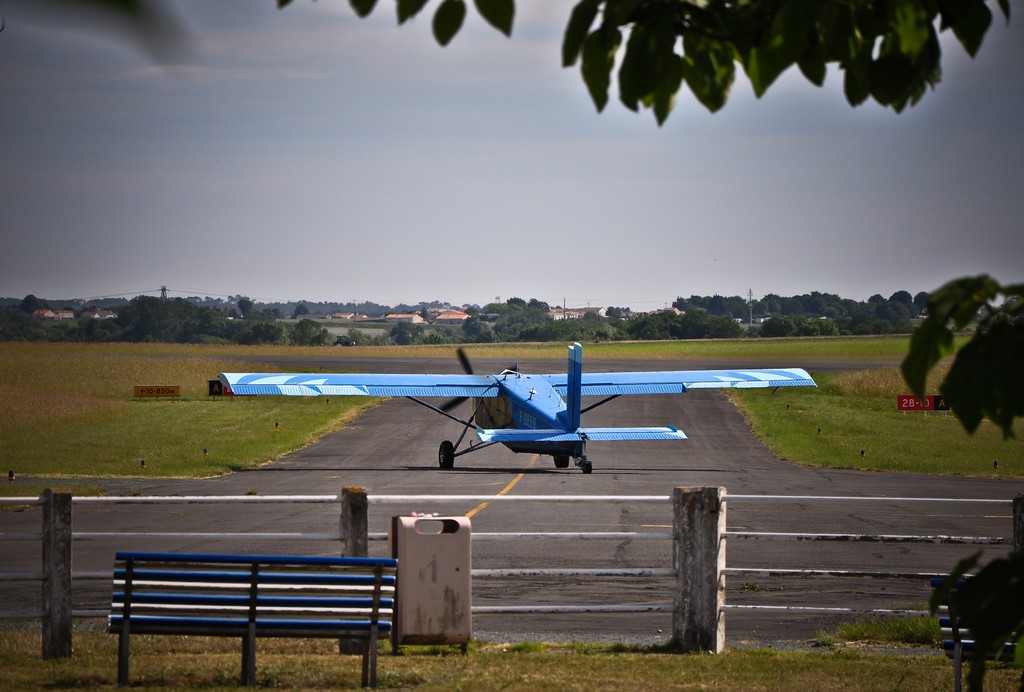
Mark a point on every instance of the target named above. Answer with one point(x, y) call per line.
point(678, 381)
point(599, 434)
point(357, 384)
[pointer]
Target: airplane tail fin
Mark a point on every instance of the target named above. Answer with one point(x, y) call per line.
point(575, 382)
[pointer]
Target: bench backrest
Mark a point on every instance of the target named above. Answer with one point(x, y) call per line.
point(225, 594)
point(953, 630)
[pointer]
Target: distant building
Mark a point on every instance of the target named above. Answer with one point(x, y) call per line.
point(452, 317)
point(408, 318)
point(558, 313)
point(98, 315)
point(44, 314)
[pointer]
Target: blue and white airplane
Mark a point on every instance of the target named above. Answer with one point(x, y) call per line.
point(532, 414)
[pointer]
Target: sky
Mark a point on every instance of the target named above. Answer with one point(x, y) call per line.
point(307, 154)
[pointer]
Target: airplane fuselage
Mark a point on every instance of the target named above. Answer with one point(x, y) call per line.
point(527, 402)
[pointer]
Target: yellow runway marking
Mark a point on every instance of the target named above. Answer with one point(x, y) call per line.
point(482, 506)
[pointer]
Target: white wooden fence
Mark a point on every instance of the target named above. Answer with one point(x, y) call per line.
point(698, 569)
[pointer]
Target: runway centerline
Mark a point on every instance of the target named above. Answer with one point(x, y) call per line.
point(482, 506)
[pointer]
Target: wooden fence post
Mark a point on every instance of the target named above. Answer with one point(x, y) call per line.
point(698, 618)
point(354, 522)
point(355, 533)
point(56, 573)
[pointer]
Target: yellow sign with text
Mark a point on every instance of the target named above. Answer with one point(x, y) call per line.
point(157, 390)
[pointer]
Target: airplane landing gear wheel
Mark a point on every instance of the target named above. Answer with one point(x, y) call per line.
point(561, 461)
point(585, 465)
point(446, 455)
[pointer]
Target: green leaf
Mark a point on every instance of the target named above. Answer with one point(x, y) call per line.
point(941, 593)
point(448, 20)
point(664, 96)
point(791, 31)
point(648, 62)
point(498, 13)
point(912, 26)
point(986, 379)
point(929, 343)
point(635, 72)
point(957, 301)
point(599, 50)
point(838, 34)
point(363, 8)
point(709, 70)
point(813, 67)
point(619, 12)
point(1004, 5)
point(960, 300)
point(968, 384)
point(580, 21)
point(991, 604)
point(408, 9)
point(890, 77)
point(971, 22)
point(762, 69)
point(785, 40)
point(855, 87)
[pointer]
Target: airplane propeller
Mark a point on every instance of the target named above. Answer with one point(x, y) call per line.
point(464, 359)
point(467, 367)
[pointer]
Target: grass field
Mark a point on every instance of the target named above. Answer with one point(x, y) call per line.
point(67, 410)
point(851, 421)
point(213, 664)
point(882, 349)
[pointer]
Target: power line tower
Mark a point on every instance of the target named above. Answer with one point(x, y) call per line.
point(750, 307)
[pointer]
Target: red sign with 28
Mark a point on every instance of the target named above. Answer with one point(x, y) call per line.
point(909, 402)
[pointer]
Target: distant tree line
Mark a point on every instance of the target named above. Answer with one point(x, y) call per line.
point(243, 321)
point(703, 317)
point(789, 316)
point(172, 320)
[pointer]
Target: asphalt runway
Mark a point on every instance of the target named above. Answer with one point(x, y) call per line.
point(392, 450)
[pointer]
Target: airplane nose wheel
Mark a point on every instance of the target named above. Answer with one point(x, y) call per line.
point(585, 465)
point(446, 455)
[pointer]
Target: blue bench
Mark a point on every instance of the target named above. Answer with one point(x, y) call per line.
point(957, 641)
point(250, 596)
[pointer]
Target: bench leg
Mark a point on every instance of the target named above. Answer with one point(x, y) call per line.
point(249, 660)
point(370, 660)
point(958, 659)
point(123, 651)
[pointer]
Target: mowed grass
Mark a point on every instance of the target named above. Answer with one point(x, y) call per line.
point(170, 662)
point(905, 631)
point(69, 410)
point(850, 421)
point(872, 349)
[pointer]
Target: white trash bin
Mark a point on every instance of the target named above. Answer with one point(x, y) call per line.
point(433, 599)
